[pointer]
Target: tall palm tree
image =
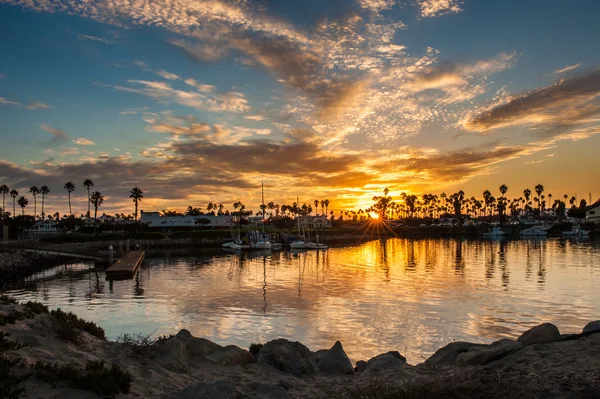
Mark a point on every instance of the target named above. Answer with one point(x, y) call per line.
point(137, 194)
point(14, 193)
point(503, 189)
point(44, 190)
point(220, 208)
point(539, 189)
point(34, 191)
point(23, 202)
point(4, 190)
point(316, 202)
point(88, 184)
point(70, 187)
point(97, 199)
point(326, 201)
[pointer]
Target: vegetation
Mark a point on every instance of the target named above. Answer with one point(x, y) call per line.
point(36, 307)
point(255, 348)
point(70, 187)
point(8, 299)
point(137, 194)
point(68, 326)
point(9, 380)
point(8, 344)
point(97, 199)
point(139, 343)
point(105, 381)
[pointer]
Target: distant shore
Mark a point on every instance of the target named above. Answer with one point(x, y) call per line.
point(57, 354)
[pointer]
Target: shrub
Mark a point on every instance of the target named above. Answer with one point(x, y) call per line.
point(164, 338)
point(10, 318)
point(69, 323)
point(8, 299)
point(139, 343)
point(9, 381)
point(255, 348)
point(36, 307)
point(7, 344)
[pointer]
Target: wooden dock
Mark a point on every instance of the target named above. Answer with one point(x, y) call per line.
point(126, 266)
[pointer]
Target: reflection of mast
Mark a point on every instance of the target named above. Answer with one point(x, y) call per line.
point(299, 279)
point(265, 283)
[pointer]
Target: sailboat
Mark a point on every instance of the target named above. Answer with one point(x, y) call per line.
point(315, 245)
point(263, 241)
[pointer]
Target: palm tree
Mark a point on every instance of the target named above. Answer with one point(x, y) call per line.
point(503, 189)
point(4, 190)
point(137, 194)
point(220, 208)
point(539, 189)
point(23, 202)
point(97, 199)
point(34, 191)
point(14, 193)
point(70, 187)
point(44, 190)
point(326, 201)
point(316, 202)
point(88, 184)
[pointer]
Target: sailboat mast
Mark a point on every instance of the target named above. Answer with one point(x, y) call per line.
point(263, 205)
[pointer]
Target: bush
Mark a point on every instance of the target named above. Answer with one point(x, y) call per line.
point(139, 343)
point(105, 381)
point(255, 348)
point(10, 318)
point(7, 344)
point(68, 326)
point(36, 307)
point(8, 299)
point(9, 381)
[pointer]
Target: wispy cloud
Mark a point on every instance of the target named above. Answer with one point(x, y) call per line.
point(94, 39)
point(4, 100)
point(57, 134)
point(167, 75)
point(435, 8)
point(37, 105)
point(567, 69)
point(83, 141)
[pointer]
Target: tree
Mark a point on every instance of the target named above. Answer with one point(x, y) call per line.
point(70, 187)
point(192, 211)
point(316, 202)
point(220, 209)
point(4, 190)
point(44, 190)
point(382, 203)
point(23, 202)
point(34, 191)
point(14, 193)
point(97, 199)
point(88, 184)
point(326, 201)
point(137, 194)
point(503, 189)
point(539, 189)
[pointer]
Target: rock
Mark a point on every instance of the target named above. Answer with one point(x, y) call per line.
point(231, 355)
point(266, 391)
point(591, 326)
point(487, 354)
point(387, 360)
point(335, 361)
point(319, 354)
point(287, 355)
point(220, 389)
point(172, 355)
point(200, 347)
point(361, 366)
point(541, 334)
point(448, 354)
point(184, 334)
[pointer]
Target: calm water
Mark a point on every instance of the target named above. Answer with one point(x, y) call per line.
point(410, 295)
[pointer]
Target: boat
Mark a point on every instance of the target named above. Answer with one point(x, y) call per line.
point(576, 231)
point(495, 232)
point(262, 240)
point(297, 244)
point(534, 231)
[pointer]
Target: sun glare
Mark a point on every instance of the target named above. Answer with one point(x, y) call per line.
point(374, 215)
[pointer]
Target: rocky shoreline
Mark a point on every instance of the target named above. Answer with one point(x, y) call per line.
point(540, 363)
point(15, 266)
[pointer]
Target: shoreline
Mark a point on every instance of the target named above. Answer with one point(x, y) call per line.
point(183, 366)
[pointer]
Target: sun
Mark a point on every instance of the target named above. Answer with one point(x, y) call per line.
point(374, 215)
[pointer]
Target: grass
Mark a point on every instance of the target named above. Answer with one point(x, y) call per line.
point(9, 381)
point(255, 348)
point(7, 344)
point(68, 326)
point(36, 307)
point(8, 299)
point(97, 376)
point(11, 318)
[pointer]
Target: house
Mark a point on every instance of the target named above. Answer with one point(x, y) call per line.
point(255, 220)
point(314, 222)
point(155, 219)
point(43, 227)
point(592, 213)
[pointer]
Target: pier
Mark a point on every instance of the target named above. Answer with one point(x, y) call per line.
point(126, 266)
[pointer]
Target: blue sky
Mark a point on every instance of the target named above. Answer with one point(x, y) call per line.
point(200, 101)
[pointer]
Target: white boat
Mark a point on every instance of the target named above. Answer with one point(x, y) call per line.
point(262, 245)
point(297, 244)
point(495, 232)
point(576, 231)
point(535, 231)
point(315, 245)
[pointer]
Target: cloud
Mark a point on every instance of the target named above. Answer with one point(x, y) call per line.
point(57, 134)
point(201, 51)
point(255, 117)
point(83, 141)
point(569, 103)
point(94, 38)
point(436, 8)
point(377, 5)
point(167, 75)
point(567, 69)
point(4, 100)
point(37, 105)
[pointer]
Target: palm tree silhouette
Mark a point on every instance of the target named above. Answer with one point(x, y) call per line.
point(539, 189)
point(34, 191)
point(137, 194)
point(316, 202)
point(70, 187)
point(88, 184)
point(326, 201)
point(4, 190)
point(44, 190)
point(23, 202)
point(97, 199)
point(14, 193)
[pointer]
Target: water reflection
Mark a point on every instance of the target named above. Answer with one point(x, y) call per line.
point(409, 295)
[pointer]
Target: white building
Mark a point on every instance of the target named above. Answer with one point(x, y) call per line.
point(255, 220)
point(155, 219)
point(592, 214)
point(43, 227)
point(314, 222)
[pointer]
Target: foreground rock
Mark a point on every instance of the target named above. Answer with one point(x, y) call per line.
point(448, 354)
point(592, 326)
point(541, 334)
point(487, 354)
point(335, 361)
point(389, 360)
point(288, 356)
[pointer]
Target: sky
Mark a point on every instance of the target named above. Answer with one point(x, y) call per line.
point(202, 101)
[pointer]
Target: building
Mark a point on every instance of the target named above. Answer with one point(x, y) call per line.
point(155, 219)
point(255, 220)
point(42, 228)
point(313, 222)
point(592, 213)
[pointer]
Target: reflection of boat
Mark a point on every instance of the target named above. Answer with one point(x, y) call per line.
point(297, 244)
point(261, 240)
point(535, 231)
point(576, 230)
point(495, 232)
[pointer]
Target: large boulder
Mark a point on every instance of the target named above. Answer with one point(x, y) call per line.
point(319, 354)
point(392, 359)
point(231, 355)
point(200, 347)
point(220, 389)
point(335, 361)
point(487, 354)
point(287, 355)
point(591, 326)
point(172, 355)
point(448, 354)
point(541, 334)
